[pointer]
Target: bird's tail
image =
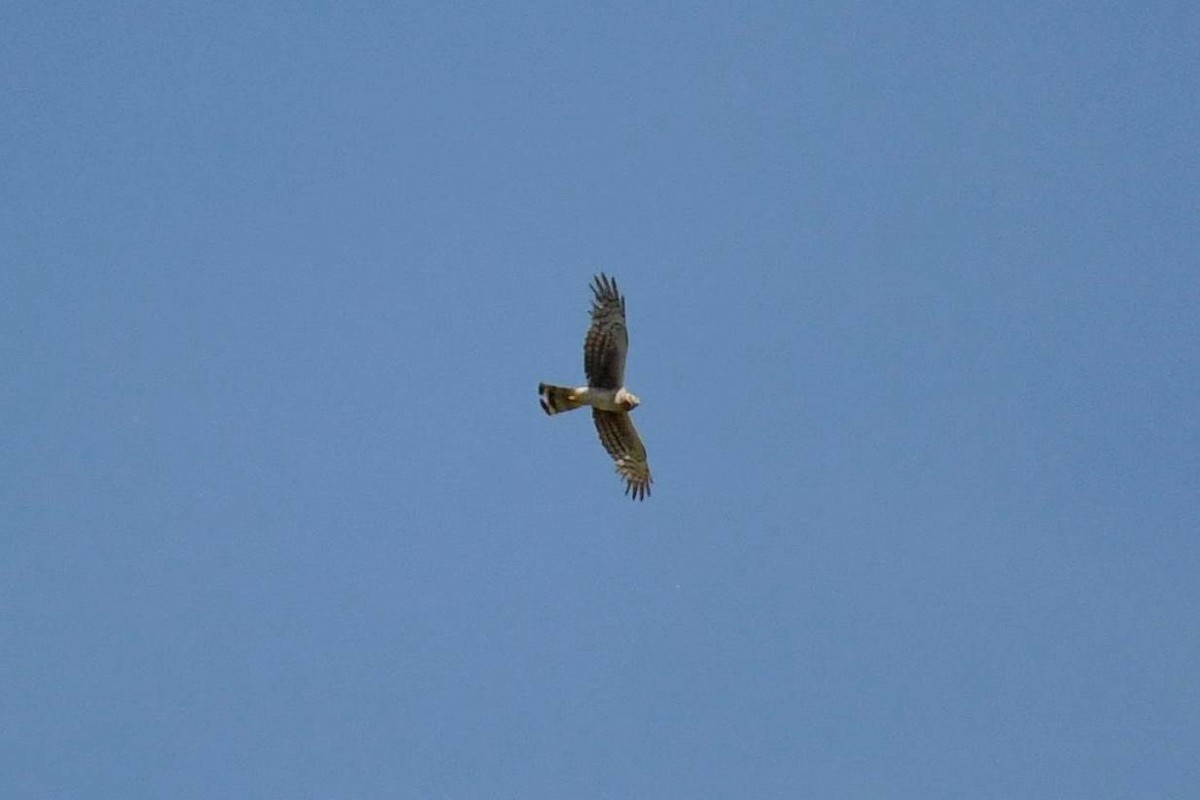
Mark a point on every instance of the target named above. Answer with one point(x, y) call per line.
point(556, 399)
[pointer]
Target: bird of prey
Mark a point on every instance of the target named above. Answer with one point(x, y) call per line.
point(604, 350)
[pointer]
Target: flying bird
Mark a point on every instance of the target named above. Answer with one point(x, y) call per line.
point(604, 350)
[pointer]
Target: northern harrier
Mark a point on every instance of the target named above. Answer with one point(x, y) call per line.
point(604, 350)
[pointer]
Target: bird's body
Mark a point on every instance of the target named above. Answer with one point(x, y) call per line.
point(604, 350)
point(561, 398)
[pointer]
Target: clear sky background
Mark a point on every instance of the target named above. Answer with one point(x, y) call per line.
point(913, 299)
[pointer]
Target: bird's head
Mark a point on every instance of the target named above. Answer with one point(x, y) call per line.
point(627, 400)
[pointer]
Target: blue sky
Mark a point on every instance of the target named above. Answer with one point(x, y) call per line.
point(913, 304)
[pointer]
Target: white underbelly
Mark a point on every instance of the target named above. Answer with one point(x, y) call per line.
point(603, 399)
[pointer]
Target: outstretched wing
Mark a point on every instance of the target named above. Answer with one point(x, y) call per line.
point(621, 440)
point(607, 340)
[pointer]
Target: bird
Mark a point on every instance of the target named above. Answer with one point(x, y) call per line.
point(604, 349)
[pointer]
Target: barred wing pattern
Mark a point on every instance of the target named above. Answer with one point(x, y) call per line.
point(607, 339)
point(622, 442)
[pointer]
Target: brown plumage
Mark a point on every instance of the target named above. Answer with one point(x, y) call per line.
point(607, 340)
point(604, 350)
point(622, 442)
